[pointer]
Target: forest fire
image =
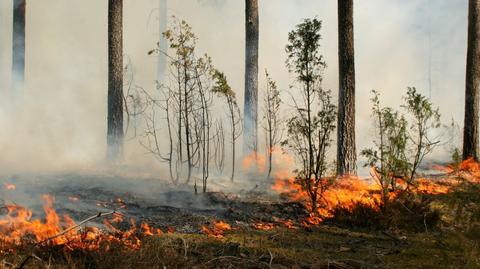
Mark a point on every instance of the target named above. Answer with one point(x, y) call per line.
point(18, 228)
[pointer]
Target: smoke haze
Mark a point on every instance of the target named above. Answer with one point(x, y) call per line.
point(62, 123)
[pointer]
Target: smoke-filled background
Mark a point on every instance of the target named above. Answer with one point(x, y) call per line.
point(62, 121)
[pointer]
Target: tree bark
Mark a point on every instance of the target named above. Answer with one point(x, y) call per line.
point(251, 77)
point(18, 49)
point(472, 83)
point(346, 151)
point(162, 43)
point(115, 81)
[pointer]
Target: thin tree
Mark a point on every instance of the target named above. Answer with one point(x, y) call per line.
point(115, 81)
point(223, 89)
point(162, 43)
point(346, 153)
point(272, 122)
point(251, 77)
point(312, 122)
point(18, 48)
point(472, 83)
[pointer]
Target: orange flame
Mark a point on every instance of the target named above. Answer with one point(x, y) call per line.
point(254, 161)
point(218, 230)
point(18, 226)
point(264, 226)
point(348, 192)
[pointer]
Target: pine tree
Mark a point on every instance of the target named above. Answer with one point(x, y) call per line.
point(346, 152)
point(115, 81)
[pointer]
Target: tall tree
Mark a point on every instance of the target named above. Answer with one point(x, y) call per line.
point(251, 77)
point(346, 153)
point(115, 80)
point(18, 48)
point(162, 43)
point(472, 83)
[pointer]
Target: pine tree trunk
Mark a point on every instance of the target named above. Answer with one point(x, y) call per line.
point(472, 83)
point(251, 77)
point(115, 81)
point(346, 152)
point(18, 49)
point(162, 43)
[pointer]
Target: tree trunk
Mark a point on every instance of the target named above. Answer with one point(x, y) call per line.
point(162, 43)
point(251, 77)
point(346, 153)
point(472, 83)
point(18, 49)
point(115, 81)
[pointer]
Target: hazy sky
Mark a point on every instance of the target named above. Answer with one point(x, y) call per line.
point(64, 117)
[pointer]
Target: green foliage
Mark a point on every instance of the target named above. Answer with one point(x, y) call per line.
point(389, 155)
point(303, 55)
point(221, 86)
point(310, 127)
point(400, 147)
point(425, 118)
point(456, 156)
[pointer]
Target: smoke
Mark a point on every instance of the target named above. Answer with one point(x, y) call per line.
point(62, 122)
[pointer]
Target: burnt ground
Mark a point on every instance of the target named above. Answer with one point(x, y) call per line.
point(148, 200)
point(328, 245)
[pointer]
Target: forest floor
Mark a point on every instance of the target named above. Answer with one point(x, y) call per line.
point(454, 242)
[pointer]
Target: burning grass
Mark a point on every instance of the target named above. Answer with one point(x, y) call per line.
point(360, 203)
point(403, 234)
point(18, 228)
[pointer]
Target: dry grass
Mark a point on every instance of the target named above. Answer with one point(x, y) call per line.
point(453, 244)
point(321, 247)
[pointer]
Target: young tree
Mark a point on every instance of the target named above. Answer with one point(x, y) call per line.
point(309, 130)
point(388, 158)
point(18, 48)
point(223, 89)
point(251, 78)
point(115, 81)
point(472, 83)
point(346, 153)
point(272, 122)
point(424, 119)
point(162, 43)
point(186, 105)
point(401, 146)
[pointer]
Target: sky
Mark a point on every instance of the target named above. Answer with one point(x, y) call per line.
point(62, 123)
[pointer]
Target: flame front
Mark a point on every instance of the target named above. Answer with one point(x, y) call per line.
point(349, 192)
point(18, 227)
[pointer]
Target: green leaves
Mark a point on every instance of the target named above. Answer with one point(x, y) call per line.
point(401, 145)
point(310, 127)
point(303, 55)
